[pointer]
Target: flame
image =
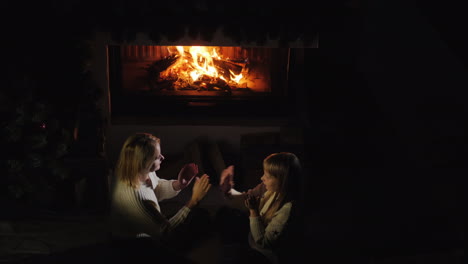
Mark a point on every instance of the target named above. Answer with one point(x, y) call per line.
point(235, 77)
point(200, 64)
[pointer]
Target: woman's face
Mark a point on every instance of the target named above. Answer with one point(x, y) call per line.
point(158, 158)
point(270, 182)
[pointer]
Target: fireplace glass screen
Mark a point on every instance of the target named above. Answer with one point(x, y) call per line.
point(197, 74)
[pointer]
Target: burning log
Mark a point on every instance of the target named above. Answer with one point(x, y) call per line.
point(182, 85)
point(238, 61)
point(163, 64)
point(227, 65)
point(154, 69)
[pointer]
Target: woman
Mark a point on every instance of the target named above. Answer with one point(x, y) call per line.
point(270, 204)
point(135, 211)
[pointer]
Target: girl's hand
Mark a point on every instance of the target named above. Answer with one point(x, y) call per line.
point(226, 181)
point(252, 202)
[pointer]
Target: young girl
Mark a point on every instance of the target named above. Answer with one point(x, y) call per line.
point(270, 204)
point(135, 211)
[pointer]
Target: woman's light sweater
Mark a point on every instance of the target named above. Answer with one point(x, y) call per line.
point(136, 212)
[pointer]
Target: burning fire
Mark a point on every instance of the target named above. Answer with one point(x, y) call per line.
point(200, 68)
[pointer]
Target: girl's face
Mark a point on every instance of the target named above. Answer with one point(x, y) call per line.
point(270, 182)
point(158, 158)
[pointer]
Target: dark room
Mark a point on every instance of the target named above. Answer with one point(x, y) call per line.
point(366, 98)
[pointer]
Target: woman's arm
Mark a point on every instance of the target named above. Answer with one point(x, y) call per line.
point(165, 189)
point(159, 225)
point(164, 226)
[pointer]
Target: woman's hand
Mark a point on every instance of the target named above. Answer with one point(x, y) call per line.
point(186, 175)
point(200, 189)
point(226, 181)
point(252, 203)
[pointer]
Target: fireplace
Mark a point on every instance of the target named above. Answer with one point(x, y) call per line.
point(195, 81)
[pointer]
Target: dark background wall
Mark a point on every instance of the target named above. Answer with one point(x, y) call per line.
point(386, 120)
point(388, 130)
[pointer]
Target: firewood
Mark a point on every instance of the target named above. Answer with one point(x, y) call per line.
point(227, 65)
point(162, 64)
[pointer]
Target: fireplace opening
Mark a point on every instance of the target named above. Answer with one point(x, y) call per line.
point(198, 80)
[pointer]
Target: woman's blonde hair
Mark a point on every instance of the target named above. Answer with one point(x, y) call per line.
point(137, 153)
point(286, 168)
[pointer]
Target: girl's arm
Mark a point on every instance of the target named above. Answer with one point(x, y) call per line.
point(236, 199)
point(266, 236)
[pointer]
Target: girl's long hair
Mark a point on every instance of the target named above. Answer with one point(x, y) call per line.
point(286, 168)
point(137, 153)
